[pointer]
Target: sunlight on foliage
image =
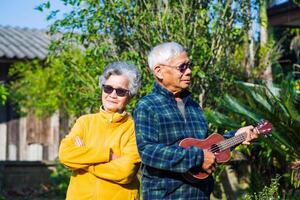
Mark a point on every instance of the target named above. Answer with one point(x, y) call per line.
point(268, 193)
point(3, 94)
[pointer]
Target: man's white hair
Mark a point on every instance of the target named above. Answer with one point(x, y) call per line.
point(163, 52)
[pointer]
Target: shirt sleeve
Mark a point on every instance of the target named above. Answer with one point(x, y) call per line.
point(77, 157)
point(229, 134)
point(123, 169)
point(156, 154)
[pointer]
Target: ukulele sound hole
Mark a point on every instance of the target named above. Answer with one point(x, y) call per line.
point(215, 148)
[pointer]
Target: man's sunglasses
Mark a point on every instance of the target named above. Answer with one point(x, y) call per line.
point(121, 92)
point(181, 67)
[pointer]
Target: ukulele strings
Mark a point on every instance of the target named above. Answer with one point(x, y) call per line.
point(221, 146)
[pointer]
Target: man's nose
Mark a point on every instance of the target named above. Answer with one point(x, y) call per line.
point(188, 71)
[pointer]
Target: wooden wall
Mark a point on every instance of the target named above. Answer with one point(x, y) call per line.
point(29, 138)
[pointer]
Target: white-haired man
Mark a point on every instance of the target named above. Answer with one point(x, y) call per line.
point(162, 119)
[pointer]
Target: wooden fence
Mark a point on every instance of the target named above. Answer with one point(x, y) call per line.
point(29, 138)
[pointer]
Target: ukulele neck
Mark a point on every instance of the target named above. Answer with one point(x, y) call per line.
point(226, 144)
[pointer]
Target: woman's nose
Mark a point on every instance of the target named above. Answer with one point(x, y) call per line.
point(114, 94)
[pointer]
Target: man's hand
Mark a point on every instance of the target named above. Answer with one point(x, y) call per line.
point(251, 133)
point(209, 163)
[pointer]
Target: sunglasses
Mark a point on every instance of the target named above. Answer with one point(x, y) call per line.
point(121, 92)
point(181, 67)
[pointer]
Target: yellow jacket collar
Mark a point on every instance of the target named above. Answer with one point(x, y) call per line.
point(113, 117)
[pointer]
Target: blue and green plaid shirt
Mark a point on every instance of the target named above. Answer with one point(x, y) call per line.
point(160, 126)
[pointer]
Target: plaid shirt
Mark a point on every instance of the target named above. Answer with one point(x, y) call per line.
point(160, 127)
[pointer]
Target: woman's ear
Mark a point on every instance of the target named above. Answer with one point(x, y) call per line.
point(158, 72)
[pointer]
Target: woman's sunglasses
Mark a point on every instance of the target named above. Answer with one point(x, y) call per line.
point(108, 89)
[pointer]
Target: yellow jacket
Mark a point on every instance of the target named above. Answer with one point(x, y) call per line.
point(94, 175)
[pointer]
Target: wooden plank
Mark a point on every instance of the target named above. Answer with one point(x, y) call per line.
point(35, 152)
point(13, 139)
point(3, 140)
point(32, 129)
point(45, 152)
point(54, 137)
point(284, 15)
point(45, 131)
point(38, 130)
point(22, 139)
point(290, 18)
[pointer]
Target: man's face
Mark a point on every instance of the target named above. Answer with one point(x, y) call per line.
point(172, 78)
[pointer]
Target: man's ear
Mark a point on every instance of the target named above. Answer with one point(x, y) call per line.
point(158, 72)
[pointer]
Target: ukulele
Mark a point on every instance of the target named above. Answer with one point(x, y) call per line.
point(216, 144)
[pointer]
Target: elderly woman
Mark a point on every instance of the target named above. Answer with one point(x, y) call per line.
point(101, 148)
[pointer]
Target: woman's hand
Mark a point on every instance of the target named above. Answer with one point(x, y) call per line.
point(78, 141)
point(112, 156)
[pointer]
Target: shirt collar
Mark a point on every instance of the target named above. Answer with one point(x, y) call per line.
point(159, 89)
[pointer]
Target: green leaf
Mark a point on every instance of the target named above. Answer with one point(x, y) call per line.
point(220, 119)
point(234, 105)
point(255, 95)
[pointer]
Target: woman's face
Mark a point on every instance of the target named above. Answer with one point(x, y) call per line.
point(111, 100)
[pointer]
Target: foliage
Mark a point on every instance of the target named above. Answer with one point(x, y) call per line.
point(268, 193)
point(268, 54)
point(3, 94)
point(60, 178)
point(69, 81)
point(281, 108)
point(297, 85)
point(106, 31)
point(33, 84)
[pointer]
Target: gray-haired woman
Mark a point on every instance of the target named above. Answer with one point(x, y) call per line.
point(101, 148)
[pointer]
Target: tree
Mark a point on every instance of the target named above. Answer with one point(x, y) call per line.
point(101, 32)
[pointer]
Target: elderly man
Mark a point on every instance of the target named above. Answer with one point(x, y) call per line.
point(162, 119)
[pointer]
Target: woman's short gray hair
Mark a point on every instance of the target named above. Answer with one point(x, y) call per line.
point(163, 52)
point(123, 68)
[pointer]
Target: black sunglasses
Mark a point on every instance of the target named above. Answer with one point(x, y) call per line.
point(181, 67)
point(108, 89)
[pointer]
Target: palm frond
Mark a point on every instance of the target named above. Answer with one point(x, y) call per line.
point(254, 92)
point(234, 105)
point(279, 106)
point(220, 119)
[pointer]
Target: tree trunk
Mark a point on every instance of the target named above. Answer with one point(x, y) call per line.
point(267, 74)
point(249, 64)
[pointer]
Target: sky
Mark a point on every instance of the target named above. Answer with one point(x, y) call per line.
point(22, 13)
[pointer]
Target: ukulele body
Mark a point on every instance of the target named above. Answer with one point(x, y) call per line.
point(207, 144)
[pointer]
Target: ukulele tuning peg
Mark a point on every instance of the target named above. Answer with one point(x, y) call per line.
point(267, 135)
